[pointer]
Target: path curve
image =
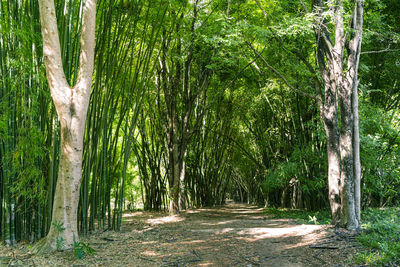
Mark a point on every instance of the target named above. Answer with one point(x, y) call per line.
point(231, 235)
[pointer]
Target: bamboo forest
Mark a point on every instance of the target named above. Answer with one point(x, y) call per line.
point(200, 133)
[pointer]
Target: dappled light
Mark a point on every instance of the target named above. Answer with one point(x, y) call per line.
point(277, 232)
point(150, 253)
point(192, 211)
point(199, 133)
point(134, 214)
point(218, 223)
point(168, 219)
point(236, 233)
point(214, 237)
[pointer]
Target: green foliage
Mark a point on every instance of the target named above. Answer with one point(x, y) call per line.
point(301, 216)
point(25, 161)
point(246, 129)
point(296, 27)
point(381, 237)
point(380, 147)
point(60, 242)
point(279, 177)
point(305, 166)
point(82, 249)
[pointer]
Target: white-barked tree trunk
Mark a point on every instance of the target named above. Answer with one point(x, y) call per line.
point(71, 104)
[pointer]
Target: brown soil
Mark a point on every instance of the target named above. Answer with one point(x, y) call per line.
point(232, 235)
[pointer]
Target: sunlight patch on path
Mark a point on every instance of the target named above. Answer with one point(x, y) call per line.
point(132, 214)
point(247, 211)
point(255, 234)
point(219, 223)
point(167, 219)
point(258, 233)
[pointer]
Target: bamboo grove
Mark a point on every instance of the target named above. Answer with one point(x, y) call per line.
point(192, 102)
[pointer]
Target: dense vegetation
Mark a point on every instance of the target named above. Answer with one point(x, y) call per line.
point(194, 102)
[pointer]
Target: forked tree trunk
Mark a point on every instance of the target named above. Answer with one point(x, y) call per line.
point(71, 104)
point(344, 83)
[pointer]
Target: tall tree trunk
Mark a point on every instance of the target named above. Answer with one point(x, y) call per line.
point(329, 116)
point(348, 96)
point(330, 61)
point(356, 153)
point(71, 104)
point(348, 218)
point(182, 192)
point(357, 40)
point(329, 112)
point(174, 181)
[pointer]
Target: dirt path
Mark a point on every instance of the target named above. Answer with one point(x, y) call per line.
point(232, 235)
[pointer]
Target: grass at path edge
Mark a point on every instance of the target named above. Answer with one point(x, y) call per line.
point(380, 237)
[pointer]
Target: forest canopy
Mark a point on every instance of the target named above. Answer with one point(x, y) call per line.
point(167, 105)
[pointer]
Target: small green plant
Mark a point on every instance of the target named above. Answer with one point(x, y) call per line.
point(59, 226)
point(380, 237)
point(301, 216)
point(81, 249)
point(313, 219)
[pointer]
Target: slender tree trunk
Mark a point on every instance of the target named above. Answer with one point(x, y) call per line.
point(349, 139)
point(174, 180)
point(182, 193)
point(357, 163)
point(358, 21)
point(71, 105)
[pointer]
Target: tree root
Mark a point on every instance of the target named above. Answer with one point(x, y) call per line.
point(48, 245)
point(41, 247)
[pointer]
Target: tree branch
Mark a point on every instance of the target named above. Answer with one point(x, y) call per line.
point(86, 59)
point(380, 51)
point(59, 87)
point(279, 74)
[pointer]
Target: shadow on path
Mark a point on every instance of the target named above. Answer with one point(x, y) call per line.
point(230, 235)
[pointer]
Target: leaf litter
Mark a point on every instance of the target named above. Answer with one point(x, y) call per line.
point(230, 235)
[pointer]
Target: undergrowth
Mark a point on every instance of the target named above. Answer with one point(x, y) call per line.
point(81, 249)
point(301, 216)
point(380, 237)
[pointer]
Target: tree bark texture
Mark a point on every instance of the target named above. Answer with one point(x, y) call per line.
point(329, 111)
point(342, 83)
point(71, 104)
point(352, 216)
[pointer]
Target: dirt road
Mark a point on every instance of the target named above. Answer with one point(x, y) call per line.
point(232, 235)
